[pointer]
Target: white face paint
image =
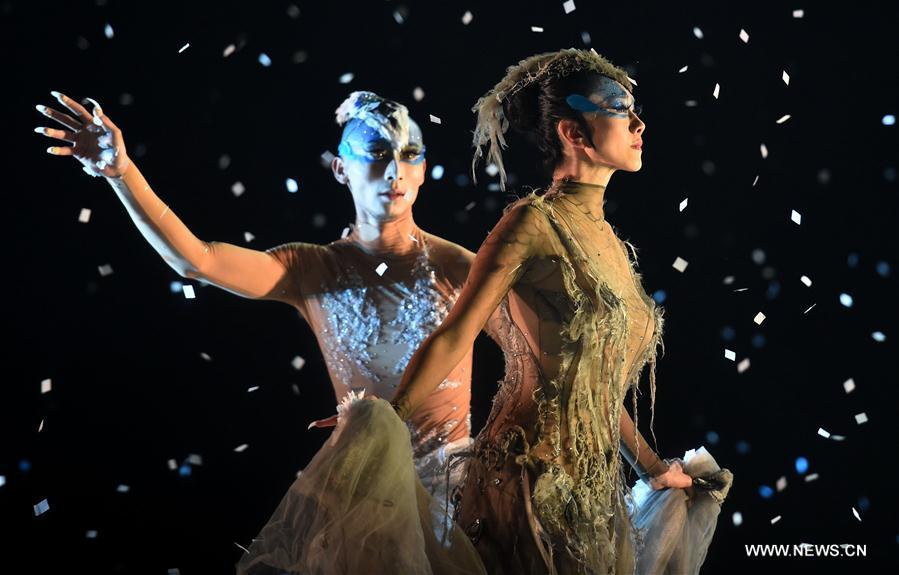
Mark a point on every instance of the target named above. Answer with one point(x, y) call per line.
point(382, 157)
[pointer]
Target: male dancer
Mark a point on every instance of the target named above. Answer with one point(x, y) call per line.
point(371, 298)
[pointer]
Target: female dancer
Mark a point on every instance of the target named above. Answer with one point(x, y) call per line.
point(545, 491)
point(368, 319)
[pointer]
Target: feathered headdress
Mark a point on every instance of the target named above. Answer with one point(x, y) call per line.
point(492, 123)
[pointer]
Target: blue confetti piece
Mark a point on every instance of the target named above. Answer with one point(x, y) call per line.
point(437, 172)
point(265, 60)
point(801, 465)
point(766, 492)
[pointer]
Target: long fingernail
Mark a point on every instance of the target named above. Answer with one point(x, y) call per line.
point(39, 130)
point(55, 94)
point(310, 426)
point(41, 108)
point(51, 150)
point(98, 121)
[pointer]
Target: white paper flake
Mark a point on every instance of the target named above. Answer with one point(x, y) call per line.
point(823, 433)
point(775, 520)
point(783, 118)
point(172, 464)
point(683, 204)
point(682, 70)
point(781, 483)
point(237, 188)
point(861, 418)
point(744, 36)
point(743, 365)
point(42, 507)
point(183, 48)
point(205, 356)
point(854, 512)
point(467, 17)
point(536, 29)
point(755, 181)
point(798, 13)
point(241, 448)
point(737, 518)
point(731, 355)
point(265, 60)
point(680, 264)
point(122, 488)
point(796, 217)
point(40, 426)
point(568, 6)
point(811, 477)
point(434, 119)
point(229, 49)
point(298, 363)
point(764, 150)
point(84, 216)
point(717, 90)
point(292, 185)
point(252, 389)
point(809, 308)
point(46, 385)
point(759, 318)
point(786, 78)
point(108, 31)
point(346, 78)
point(345, 232)
point(382, 267)
point(697, 32)
point(105, 270)
point(248, 237)
point(91, 534)
point(418, 94)
point(849, 385)
point(189, 291)
point(806, 280)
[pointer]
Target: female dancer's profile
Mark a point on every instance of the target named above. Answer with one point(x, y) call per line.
point(545, 491)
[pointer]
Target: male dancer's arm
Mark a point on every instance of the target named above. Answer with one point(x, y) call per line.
point(245, 272)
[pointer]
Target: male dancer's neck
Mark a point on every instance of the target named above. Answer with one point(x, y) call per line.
point(398, 236)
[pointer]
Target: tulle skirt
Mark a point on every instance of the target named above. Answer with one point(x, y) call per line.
point(360, 507)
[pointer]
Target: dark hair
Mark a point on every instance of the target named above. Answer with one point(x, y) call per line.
point(535, 111)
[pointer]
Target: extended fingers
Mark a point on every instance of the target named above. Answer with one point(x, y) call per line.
point(60, 150)
point(73, 106)
point(64, 135)
point(64, 119)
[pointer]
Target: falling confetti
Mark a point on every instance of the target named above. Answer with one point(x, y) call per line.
point(759, 318)
point(41, 507)
point(744, 36)
point(849, 385)
point(46, 386)
point(806, 280)
point(786, 78)
point(854, 512)
point(346, 78)
point(252, 389)
point(237, 188)
point(683, 204)
point(697, 32)
point(183, 48)
point(585, 38)
point(781, 484)
point(737, 518)
point(248, 237)
point(811, 477)
point(492, 169)
point(91, 534)
point(879, 336)
point(172, 464)
point(783, 119)
point(105, 270)
point(437, 172)
point(536, 29)
point(810, 308)
point(122, 488)
point(775, 520)
point(345, 233)
point(568, 6)
point(418, 94)
point(241, 448)
point(108, 32)
point(764, 151)
point(796, 217)
point(206, 356)
point(265, 60)
point(435, 119)
point(861, 418)
point(298, 363)
point(382, 267)
point(469, 206)
point(798, 13)
point(846, 300)
point(743, 365)
point(189, 292)
point(229, 49)
point(823, 433)
point(888, 120)
point(682, 70)
point(84, 216)
point(717, 90)
point(728, 354)
point(292, 185)
point(755, 181)
point(680, 264)
point(467, 18)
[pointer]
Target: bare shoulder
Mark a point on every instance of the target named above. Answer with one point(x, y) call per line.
point(455, 259)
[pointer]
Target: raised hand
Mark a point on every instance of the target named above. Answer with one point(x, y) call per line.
point(96, 142)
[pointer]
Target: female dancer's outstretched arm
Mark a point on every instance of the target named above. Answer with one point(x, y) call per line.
point(499, 263)
point(99, 145)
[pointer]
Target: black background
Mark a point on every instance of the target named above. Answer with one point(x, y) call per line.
point(131, 391)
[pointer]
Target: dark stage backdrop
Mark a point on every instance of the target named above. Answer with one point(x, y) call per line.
point(156, 458)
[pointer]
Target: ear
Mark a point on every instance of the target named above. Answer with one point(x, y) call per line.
point(571, 134)
point(339, 171)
